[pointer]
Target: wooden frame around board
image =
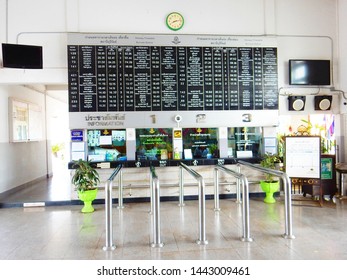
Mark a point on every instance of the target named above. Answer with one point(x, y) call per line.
point(302, 156)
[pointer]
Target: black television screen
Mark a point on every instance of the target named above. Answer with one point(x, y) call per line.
point(21, 56)
point(309, 72)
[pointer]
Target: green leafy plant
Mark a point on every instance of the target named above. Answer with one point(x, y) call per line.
point(270, 161)
point(86, 177)
point(320, 130)
point(169, 147)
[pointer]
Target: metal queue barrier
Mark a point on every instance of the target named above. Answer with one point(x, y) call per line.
point(202, 205)
point(108, 206)
point(287, 195)
point(216, 185)
point(245, 200)
point(155, 208)
point(238, 195)
point(120, 191)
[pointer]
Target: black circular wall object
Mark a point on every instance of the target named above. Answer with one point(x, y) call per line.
point(322, 102)
point(296, 103)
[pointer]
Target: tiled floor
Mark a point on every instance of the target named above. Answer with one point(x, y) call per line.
point(53, 189)
point(63, 232)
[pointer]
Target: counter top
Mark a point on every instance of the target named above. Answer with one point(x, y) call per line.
point(163, 163)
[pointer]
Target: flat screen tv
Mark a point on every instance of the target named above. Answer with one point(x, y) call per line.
point(21, 56)
point(309, 72)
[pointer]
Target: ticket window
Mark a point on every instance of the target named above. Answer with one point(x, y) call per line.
point(244, 142)
point(200, 143)
point(106, 144)
point(154, 144)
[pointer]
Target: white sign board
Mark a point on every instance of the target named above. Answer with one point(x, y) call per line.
point(302, 156)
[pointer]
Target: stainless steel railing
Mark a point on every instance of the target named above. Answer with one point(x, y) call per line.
point(108, 207)
point(120, 191)
point(216, 189)
point(238, 195)
point(287, 195)
point(202, 205)
point(155, 208)
point(245, 200)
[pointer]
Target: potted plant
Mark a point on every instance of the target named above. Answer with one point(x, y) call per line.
point(85, 179)
point(169, 150)
point(270, 185)
point(214, 150)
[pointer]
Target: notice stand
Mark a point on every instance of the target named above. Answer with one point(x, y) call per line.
point(328, 175)
point(303, 164)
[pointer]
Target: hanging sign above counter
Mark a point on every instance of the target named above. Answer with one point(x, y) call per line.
point(166, 73)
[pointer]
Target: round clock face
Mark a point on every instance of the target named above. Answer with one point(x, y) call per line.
point(174, 21)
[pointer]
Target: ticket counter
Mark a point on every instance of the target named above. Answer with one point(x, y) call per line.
point(197, 147)
point(106, 144)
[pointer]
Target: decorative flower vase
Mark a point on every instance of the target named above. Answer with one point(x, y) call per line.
point(87, 197)
point(269, 188)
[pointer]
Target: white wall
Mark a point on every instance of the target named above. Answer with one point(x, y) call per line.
point(21, 162)
point(30, 25)
point(342, 71)
point(303, 28)
point(309, 29)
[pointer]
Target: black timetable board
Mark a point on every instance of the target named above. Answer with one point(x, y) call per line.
point(107, 78)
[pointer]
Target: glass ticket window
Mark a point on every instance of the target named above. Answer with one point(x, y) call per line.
point(244, 142)
point(106, 144)
point(200, 143)
point(154, 144)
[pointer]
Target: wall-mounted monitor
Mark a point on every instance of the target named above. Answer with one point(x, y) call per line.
point(311, 72)
point(21, 56)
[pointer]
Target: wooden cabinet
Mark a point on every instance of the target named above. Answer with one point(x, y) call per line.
point(326, 185)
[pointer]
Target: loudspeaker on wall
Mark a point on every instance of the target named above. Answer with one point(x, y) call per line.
point(322, 102)
point(296, 103)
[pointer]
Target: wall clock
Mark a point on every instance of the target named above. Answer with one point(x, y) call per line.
point(174, 21)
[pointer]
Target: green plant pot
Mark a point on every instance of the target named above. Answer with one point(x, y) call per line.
point(269, 188)
point(87, 197)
